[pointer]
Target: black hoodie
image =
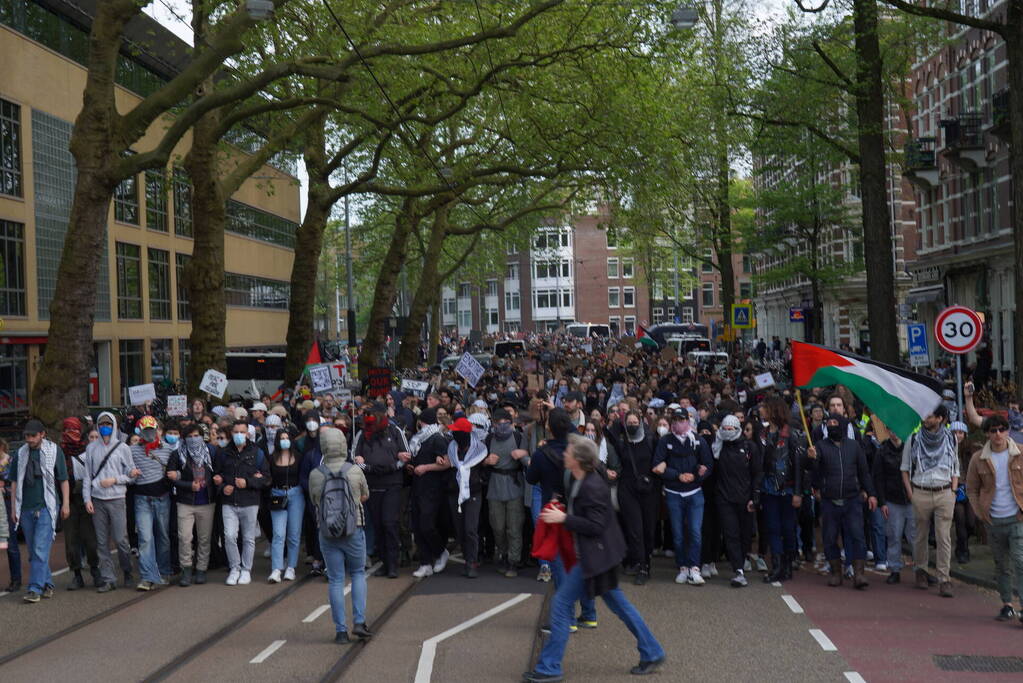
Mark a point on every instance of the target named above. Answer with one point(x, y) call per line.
point(840, 469)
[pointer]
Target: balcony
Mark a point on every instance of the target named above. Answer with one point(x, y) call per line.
point(921, 166)
point(1000, 116)
point(964, 141)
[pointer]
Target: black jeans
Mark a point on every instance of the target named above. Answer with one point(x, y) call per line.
point(965, 522)
point(639, 519)
point(467, 525)
point(737, 526)
point(427, 502)
point(710, 547)
point(312, 535)
point(384, 510)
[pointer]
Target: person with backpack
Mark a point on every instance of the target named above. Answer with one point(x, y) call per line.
point(338, 490)
point(242, 475)
point(79, 533)
point(505, 492)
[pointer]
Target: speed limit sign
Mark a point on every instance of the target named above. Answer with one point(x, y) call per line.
point(958, 329)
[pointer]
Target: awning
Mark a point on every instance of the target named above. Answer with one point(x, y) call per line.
point(924, 295)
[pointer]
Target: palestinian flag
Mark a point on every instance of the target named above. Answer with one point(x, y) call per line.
point(643, 337)
point(899, 397)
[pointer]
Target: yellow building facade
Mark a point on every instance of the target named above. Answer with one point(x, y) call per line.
point(142, 320)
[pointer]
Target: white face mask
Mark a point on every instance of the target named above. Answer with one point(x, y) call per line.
point(662, 430)
point(312, 426)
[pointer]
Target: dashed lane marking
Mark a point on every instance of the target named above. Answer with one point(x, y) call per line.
point(823, 640)
point(318, 612)
point(793, 605)
point(60, 571)
point(426, 657)
point(265, 654)
point(854, 677)
point(776, 584)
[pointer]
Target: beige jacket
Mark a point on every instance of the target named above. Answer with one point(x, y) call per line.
point(980, 480)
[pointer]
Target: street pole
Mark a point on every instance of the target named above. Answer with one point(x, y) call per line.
point(959, 385)
point(348, 270)
point(678, 311)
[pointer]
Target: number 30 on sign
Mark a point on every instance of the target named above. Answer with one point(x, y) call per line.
point(958, 329)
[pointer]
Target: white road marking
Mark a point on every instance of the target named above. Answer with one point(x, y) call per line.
point(776, 584)
point(3, 593)
point(823, 640)
point(793, 605)
point(318, 612)
point(60, 571)
point(426, 657)
point(854, 677)
point(456, 558)
point(265, 654)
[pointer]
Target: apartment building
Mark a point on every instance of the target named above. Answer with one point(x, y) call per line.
point(142, 320)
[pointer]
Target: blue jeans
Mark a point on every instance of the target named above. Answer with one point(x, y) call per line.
point(38, 539)
point(13, 550)
point(573, 588)
point(534, 511)
point(686, 515)
point(287, 525)
point(901, 522)
point(346, 555)
point(152, 522)
point(877, 531)
point(780, 523)
point(587, 605)
point(848, 519)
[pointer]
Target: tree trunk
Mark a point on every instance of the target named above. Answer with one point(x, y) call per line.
point(435, 330)
point(426, 293)
point(205, 272)
point(1014, 50)
point(724, 246)
point(302, 306)
point(877, 235)
point(386, 287)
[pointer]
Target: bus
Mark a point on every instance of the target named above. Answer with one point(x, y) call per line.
point(244, 368)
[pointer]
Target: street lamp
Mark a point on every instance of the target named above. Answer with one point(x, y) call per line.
point(684, 18)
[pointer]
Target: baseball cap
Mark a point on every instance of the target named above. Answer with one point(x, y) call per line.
point(460, 425)
point(680, 414)
point(34, 426)
point(574, 396)
point(259, 405)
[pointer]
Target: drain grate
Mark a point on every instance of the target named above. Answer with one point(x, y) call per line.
point(979, 663)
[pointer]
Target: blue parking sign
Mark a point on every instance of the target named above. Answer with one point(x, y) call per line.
point(918, 353)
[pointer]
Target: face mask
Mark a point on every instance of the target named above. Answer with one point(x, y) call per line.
point(592, 436)
point(492, 397)
point(502, 430)
point(193, 442)
point(633, 430)
point(600, 386)
point(138, 432)
point(316, 403)
point(462, 439)
point(105, 430)
point(285, 444)
point(239, 439)
point(662, 430)
point(312, 426)
point(835, 432)
point(222, 442)
point(171, 439)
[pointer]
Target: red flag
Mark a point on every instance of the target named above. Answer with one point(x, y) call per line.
point(314, 355)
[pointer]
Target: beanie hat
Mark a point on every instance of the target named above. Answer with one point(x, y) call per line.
point(333, 444)
point(428, 416)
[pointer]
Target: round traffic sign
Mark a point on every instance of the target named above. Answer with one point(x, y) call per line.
point(958, 329)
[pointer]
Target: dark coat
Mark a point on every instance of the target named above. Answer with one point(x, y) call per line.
point(243, 464)
point(593, 521)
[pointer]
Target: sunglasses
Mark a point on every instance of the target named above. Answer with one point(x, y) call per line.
point(997, 430)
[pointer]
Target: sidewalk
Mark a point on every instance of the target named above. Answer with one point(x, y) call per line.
point(980, 570)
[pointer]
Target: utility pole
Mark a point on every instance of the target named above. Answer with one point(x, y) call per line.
point(348, 270)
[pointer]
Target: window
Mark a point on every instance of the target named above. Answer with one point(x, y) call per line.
point(747, 264)
point(491, 287)
point(10, 149)
point(513, 272)
point(492, 317)
point(184, 310)
point(464, 291)
point(160, 357)
point(12, 268)
point(126, 201)
point(129, 281)
point(545, 298)
point(708, 294)
point(450, 307)
point(628, 268)
point(615, 323)
point(159, 285)
point(513, 249)
point(707, 265)
point(658, 315)
point(630, 324)
point(131, 359)
point(745, 290)
point(249, 221)
point(612, 238)
point(629, 297)
point(156, 200)
point(256, 292)
point(512, 300)
point(687, 315)
point(184, 356)
point(552, 269)
point(566, 297)
point(182, 203)
point(465, 319)
point(612, 269)
point(613, 297)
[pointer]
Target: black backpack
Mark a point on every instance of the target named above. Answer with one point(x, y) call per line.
point(337, 516)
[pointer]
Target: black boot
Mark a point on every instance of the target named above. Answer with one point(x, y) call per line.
point(786, 566)
point(776, 573)
point(97, 578)
point(76, 581)
point(186, 577)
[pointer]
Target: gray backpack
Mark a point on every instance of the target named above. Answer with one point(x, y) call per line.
point(337, 516)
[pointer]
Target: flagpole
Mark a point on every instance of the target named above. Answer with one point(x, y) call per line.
point(802, 415)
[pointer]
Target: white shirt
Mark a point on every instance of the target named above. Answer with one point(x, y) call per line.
point(1003, 504)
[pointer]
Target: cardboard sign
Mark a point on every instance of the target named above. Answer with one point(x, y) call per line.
point(764, 380)
point(379, 382)
point(214, 383)
point(669, 353)
point(533, 382)
point(529, 365)
point(628, 342)
point(177, 405)
point(620, 359)
point(320, 379)
point(469, 368)
point(138, 395)
point(415, 387)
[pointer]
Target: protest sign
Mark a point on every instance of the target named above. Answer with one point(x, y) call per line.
point(620, 359)
point(177, 405)
point(469, 368)
point(320, 379)
point(214, 383)
point(764, 380)
point(416, 388)
point(141, 393)
point(379, 382)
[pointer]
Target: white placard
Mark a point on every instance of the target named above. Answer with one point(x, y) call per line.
point(764, 380)
point(469, 368)
point(319, 377)
point(343, 396)
point(588, 348)
point(141, 393)
point(339, 374)
point(177, 405)
point(415, 387)
point(214, 383)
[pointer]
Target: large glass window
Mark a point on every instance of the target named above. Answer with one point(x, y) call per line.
point(613, 297)
point(512, 300)
point(513, 272)
point(10, 149)
point(156, 200)
point(184, 310)
point(628, 268)
point(160, 356)
point(126, 201)
point(612, 268)
point(257, 292)
point(159, 285)
point(707, 265)
point(13, 378)
point(184, 356)
point(132, 357)
point(491, 287)
point(12, 268)
point(129, 281)
point(261, 225)
point(182, 203)
point(629, 297)
point(708, 293)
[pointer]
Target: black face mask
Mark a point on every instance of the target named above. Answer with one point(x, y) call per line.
point(835, 432)
point(633, 430)
point(462, 439)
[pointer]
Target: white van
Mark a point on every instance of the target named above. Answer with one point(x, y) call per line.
point(588, 330)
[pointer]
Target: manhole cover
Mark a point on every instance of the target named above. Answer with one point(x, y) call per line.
point(979, 663)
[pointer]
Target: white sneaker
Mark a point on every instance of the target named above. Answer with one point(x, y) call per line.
point(747, 566)
point(289, 574)
point(683, 575)
point(881, 566)
point(441, 562)
point(232, 577)
point(423, 571)
point(245, 578)
point(761, 564)
point(275, 576)
point(849, 572)
point(870, 556)
point(266, 553)
point(694, 577)
point(713, 569)
point(669, 553)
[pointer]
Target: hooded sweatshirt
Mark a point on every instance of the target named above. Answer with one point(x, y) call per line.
point(118, 466)
point(335, 453)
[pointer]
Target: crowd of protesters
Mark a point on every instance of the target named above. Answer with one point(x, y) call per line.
point(700, 466)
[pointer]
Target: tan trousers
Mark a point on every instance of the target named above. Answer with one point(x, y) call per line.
point(939, 505)
point(201, 516)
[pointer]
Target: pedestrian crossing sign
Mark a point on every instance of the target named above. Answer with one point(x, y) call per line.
point(742, 316)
